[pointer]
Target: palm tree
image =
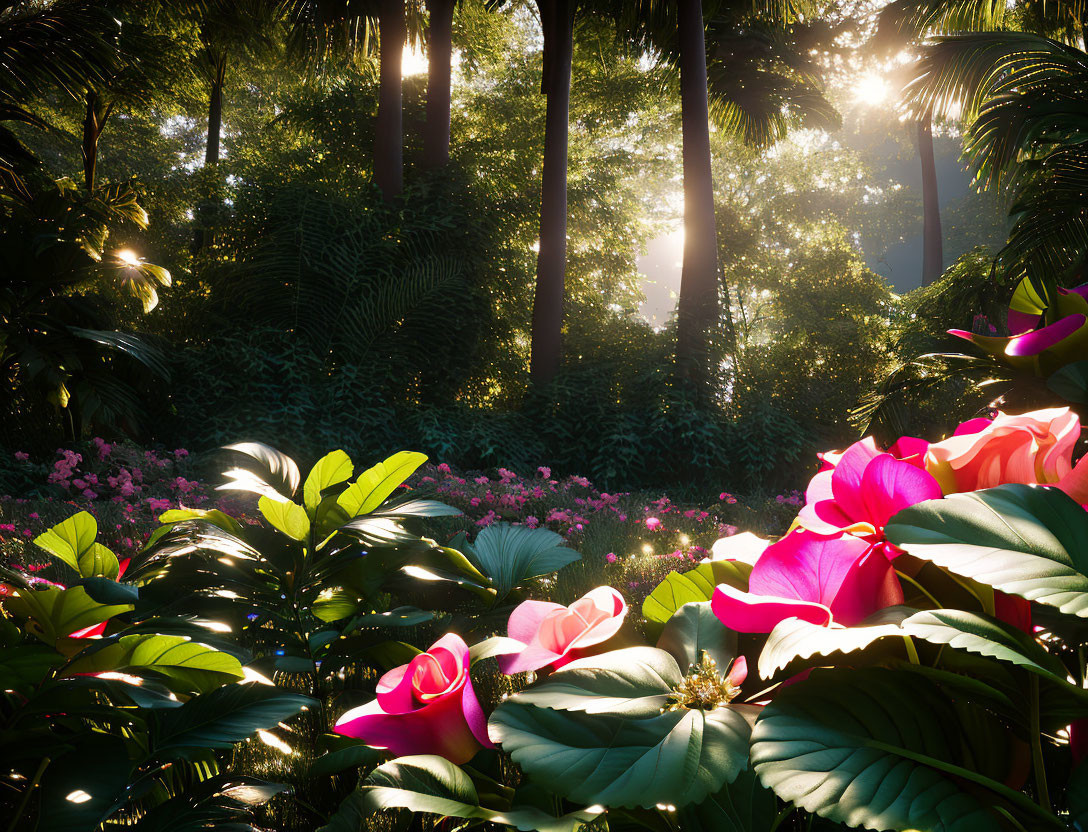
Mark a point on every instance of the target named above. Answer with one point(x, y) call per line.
point(436, 132)
point(557, 22)
point(932, 239)
point(757, 83)
point(1020, 94)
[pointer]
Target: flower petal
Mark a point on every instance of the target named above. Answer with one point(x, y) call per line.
point(746, 612)
point(890, 485)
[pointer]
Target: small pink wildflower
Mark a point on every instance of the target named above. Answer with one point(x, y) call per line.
point(652, 523)
point(22, 456)
point(611, 557)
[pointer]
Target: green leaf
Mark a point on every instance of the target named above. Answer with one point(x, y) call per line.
point(877, 748)
point(415, 507)
point(289, 518)
point(794, 639)
point(212, 515)
point(494, 646)
point(191, 665)
point(741, 806)
point(433, 785)
point(332, 469)
point(510, 555)
point(277, 475)
point(354, 756)
point(693, 629)
point(594, 732)
point(1025, 540)
point(693, 586)
point(57, 613)
point(106, 591)
point(73, 541)
point(375, 484)
point(26, 665)
point(81, 788)
point(223, 717)
point(336, 605)
point(211, 804)
point(1071, 382)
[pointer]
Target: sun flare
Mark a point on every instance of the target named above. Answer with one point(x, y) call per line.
point(872, 89)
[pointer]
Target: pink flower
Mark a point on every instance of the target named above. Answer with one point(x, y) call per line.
point(444, 467)
point(544, 471)
point(427, 706)
point(180, 453)
point(819, 579)
point(22, 456)
point(610, 557)
point(652, 523)
point(482, 480)
point(861, 489)
point(532, 522)
point(555, 635)
point(1034, 447)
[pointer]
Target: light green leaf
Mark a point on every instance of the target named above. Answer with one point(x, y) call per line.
point(375, 484)
point(188, 664)
point(57, 613)
point(494, 646)
point(877, 748)
point(289, 518)
point(332, 469)
point(1025, 540)
point(73, 541)
point(594, 733)
point(433, 785)
point(693, 586)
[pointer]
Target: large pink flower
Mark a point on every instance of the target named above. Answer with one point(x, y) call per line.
point(555, 635)
point(824, 580)
point(861, 489)
point(1034, 447)
point(427, 706)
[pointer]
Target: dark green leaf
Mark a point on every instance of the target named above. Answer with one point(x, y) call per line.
point(693, 629)
point(510, 555)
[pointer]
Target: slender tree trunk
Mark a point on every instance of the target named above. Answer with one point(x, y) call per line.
point(557, 18)
point(92, 129)
point(697, 310)
point(932, 244)
point(436, 137)
point(388, 139)
point(215, 113)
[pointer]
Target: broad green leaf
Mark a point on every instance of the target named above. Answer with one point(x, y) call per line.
point(57, 613)
point(191, 665)
point(877, 748)
point(332, 469)
point(744, 805)
point(433, 785)
point(375, 484)
point(510, 555)
point(211, 515)
point(396, 617)
point(1071, 382)
point(290, 518)
point(73, 541)
point(277, 476)
point(494, 646)
point(336, 605)
point(223, 717)
point(354, 756)
point(693, 629)
point(796, 639)
point(596, 734)
point(1025, 540)
point(106, 591)
point(25, 665)
point(211, 804)
point(693, 586)
point(81, 788)
point(414, 507)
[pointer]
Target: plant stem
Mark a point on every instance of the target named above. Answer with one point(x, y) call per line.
point(912, 651)
point(1043, 795)
point(29, 791)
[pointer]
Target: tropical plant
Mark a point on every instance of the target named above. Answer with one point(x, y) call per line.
point(56, 338)
point(108, 720)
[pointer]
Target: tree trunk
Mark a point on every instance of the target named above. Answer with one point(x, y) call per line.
point(436, 136)
point(388, 139)
point(557, 19)
point(932, 245)
point(215, 112)
point(92, 129)
point(697, 310)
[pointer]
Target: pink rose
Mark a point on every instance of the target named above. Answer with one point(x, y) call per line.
point(1034, 447)
point(555, 635)
point(427, 706)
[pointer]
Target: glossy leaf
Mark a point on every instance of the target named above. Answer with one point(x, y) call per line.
point(510, 555)
point(594, 732)
point(81, 788)
point(57, 613)
point(693, 586)
point(877, 748)
point(73, 541)
point(289, 518)
point(693, 629)
point(187, 663)
point(332, 469)
point(1025, 540)
point(211, 804)
point(276, 475)
point(374, 485)
point(224, 716)
point(433, 785)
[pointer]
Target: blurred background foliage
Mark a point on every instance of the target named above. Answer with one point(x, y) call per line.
point(307, 312)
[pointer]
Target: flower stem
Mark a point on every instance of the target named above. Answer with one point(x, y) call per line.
point(1042, 794)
